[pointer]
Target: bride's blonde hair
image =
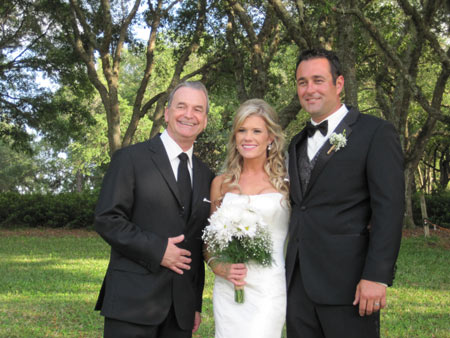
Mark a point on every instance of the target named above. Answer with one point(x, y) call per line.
point(275, 162)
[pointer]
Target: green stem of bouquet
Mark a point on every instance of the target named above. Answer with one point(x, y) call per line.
point(239, 296)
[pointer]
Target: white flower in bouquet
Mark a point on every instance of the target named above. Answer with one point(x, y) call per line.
point(237, 234)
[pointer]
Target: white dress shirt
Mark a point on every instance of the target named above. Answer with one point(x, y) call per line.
point(316, 141)
point(173, 150)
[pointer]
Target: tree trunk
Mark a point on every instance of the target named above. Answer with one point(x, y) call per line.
point(347, 55)
point(408, 220)
point(79, 181)
point(444, 165)
point(423, 209)
point(158, 117)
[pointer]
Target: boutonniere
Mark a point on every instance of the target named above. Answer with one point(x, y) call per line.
point(338, 141)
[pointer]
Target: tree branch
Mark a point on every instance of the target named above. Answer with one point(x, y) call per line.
point(422, 27)
point(290, 24)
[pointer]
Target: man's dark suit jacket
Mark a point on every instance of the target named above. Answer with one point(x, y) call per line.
point(361, 184)
point(139, 208)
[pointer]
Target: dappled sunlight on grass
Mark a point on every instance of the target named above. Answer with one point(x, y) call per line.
point(49, 286)
point(419, 302)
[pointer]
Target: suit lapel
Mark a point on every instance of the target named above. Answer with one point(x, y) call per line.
point(325, 155)
point(161, 161)
point(294, 174)
point(198, 181)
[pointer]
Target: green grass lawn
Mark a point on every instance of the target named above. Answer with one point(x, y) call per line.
point(49, 284)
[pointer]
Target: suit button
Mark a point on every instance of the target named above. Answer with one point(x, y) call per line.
point(303, 208)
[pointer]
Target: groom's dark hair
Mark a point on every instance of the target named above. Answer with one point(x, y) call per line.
point(333, 60)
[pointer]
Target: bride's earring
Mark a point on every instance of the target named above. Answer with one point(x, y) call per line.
point(269, 147)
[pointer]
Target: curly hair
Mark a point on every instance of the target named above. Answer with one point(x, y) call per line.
point(275, 163)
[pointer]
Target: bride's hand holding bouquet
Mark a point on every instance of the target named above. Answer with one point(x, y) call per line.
point(234, 273)
point(236, 235)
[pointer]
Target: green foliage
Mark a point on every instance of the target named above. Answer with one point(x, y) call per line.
point(16, 168)
point(245, 250)
point(69, 210)
point(295, 126)
point(43, 171)
point(282, 86)
point(72, 119)
point(211, 145)
point(438, 209)
point(29, 54)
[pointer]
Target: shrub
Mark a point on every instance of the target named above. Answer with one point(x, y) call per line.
point(438, 209)
point(72, 210)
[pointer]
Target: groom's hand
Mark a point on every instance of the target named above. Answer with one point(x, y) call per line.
point(175, 258)
point(197, 321)
point(371, 297)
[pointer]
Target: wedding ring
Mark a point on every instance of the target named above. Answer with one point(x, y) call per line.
point(376, 304)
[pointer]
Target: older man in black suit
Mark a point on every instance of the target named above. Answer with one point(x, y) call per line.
point(347, 193)
point(151, 211)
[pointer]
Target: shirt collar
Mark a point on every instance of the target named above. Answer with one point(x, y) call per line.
point(334, 119)
point(173, 149)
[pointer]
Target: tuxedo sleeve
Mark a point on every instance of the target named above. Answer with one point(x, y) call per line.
point(200, 284)
point(113, 214)
point(385, 179)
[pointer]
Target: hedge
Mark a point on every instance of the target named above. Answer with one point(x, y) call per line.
point(76, 210)
point(438, 209)
point(71, 210)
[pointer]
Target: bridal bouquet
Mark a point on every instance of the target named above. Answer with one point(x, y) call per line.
point(237, 234)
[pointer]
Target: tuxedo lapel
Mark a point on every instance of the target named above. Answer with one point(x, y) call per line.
point(325, 154)
point(161, 161)
point(199, 184)
point(294, 170)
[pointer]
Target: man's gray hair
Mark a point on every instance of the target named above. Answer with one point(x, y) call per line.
point(190, 84)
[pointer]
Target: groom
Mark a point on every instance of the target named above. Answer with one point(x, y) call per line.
point(347, 208)
point(152, 211)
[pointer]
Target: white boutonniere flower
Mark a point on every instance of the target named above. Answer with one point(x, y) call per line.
point(338, 141)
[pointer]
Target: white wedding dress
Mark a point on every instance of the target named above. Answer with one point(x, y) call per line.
point(262, 315)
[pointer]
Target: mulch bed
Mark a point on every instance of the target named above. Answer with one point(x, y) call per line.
point(418, 231)
point(442, 233)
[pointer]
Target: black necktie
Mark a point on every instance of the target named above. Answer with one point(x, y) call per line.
point(184, 184)
point(311, 129)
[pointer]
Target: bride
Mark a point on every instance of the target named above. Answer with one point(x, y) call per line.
point(254, 174)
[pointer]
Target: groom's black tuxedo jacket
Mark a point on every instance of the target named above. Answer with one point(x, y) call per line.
point(139, 208)
point(349, 189)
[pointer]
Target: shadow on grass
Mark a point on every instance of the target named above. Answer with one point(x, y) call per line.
point(51, 316)
point(50, 276)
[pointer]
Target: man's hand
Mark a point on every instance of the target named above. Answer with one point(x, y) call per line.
point(371, 297)
point(174, 258)
point(197, 321)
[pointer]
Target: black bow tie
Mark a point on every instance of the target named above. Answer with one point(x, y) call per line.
point(322, 127)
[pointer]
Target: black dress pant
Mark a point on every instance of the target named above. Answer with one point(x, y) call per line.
point(306, 319)
point(167, 329)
